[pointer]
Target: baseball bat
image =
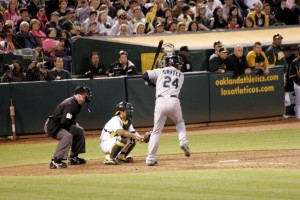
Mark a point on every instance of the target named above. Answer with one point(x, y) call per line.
point(12, 117)
point(157, 53)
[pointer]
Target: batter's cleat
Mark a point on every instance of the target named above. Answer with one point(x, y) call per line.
point(57, 164)
point(122, 158)
point(152, 164)
point(186, 150)
point(110, 161)
point(76, 161)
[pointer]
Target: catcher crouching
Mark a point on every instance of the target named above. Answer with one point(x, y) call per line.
point(118, 137)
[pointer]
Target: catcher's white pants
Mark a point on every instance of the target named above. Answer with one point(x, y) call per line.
point(165, 107)
point(297, 103)
point(107, 145)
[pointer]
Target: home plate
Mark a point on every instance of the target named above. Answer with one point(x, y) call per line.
point(228, 161)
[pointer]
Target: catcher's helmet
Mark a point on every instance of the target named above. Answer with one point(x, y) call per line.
point(84, 90)
point(173, 61)
point(125, 106)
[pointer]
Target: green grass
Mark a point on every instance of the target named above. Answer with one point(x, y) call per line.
point(239, 184)
point(223, 184)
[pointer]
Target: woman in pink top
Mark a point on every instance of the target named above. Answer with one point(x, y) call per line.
point(12, 12)
point(50, 45)
point(39, 35)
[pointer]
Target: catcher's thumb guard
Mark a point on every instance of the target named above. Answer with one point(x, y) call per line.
point(147, 136)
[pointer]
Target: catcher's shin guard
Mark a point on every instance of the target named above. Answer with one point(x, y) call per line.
point(117, 147)
point(128, 148)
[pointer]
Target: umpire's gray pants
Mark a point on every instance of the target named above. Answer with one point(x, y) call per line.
point(74, 140)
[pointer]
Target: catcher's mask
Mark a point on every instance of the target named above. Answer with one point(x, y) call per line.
point(84, 90)
point(125, 106)
point(173, 61)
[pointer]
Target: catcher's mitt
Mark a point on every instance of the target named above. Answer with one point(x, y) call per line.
point(146, 137)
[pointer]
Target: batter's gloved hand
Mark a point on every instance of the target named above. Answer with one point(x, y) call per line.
point(151, 84)
point(147, 136)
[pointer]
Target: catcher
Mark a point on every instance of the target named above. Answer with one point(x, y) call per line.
point(118, 136)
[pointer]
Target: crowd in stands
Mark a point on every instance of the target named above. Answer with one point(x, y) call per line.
point(48, 28)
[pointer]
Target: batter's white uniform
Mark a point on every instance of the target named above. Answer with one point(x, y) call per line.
point(108, 137)
point(169, 81)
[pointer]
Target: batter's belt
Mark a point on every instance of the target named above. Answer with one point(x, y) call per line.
point(172, 96)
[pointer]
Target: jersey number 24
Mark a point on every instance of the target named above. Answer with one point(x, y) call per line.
point(168, 82)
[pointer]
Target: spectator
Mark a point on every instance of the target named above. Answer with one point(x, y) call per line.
point(54, 23)
point(95, 4)
point(108, 20)
point(286, 15)
point(95, 69)
point(259, 17)
point(51, 45)
point(104, 26)
point(122, 67)
point(210, 7)
point(62, 4)
point(219, 63)
point(83, 10)
point(232, 23)
point(38, 72)
point(181, 27)
point(218, 21)
point(26, 42)
point(183, 54)
point(65, 37)
point(36, 31)
point(193, 26)
point(24, 17)
point(123, 30)
point(233, 11)
point(33, 8)
point(200, 17)
point(18, 71)
point(237, 61)
point(171, 27)
point(137, 18)
point(8, 74)
point(122, 19)
point(92, 18)
point(12, 12)
point(269, 15)
point(176, 11)
point(58, 72)
point(251, 3)
point(71, 25)
point(248, 23)
point(185, 15)
point(112, 11)
point(226, 9)
point(92, 30)
point(257, 59)
point(41, 16)
point(140, 29)
point(159, 28)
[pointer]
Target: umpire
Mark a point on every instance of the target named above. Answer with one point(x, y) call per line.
point(61, 125)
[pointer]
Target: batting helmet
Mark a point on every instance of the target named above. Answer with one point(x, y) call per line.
point(125, 106)
point(84, 90)
point(173, 61)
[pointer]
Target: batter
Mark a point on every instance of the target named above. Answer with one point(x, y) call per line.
point(169, 81)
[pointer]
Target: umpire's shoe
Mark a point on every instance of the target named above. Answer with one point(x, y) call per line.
point(57, 164)
point(75, 160)
point(186, 150)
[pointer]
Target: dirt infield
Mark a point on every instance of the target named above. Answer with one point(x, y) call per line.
point(174, 162)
